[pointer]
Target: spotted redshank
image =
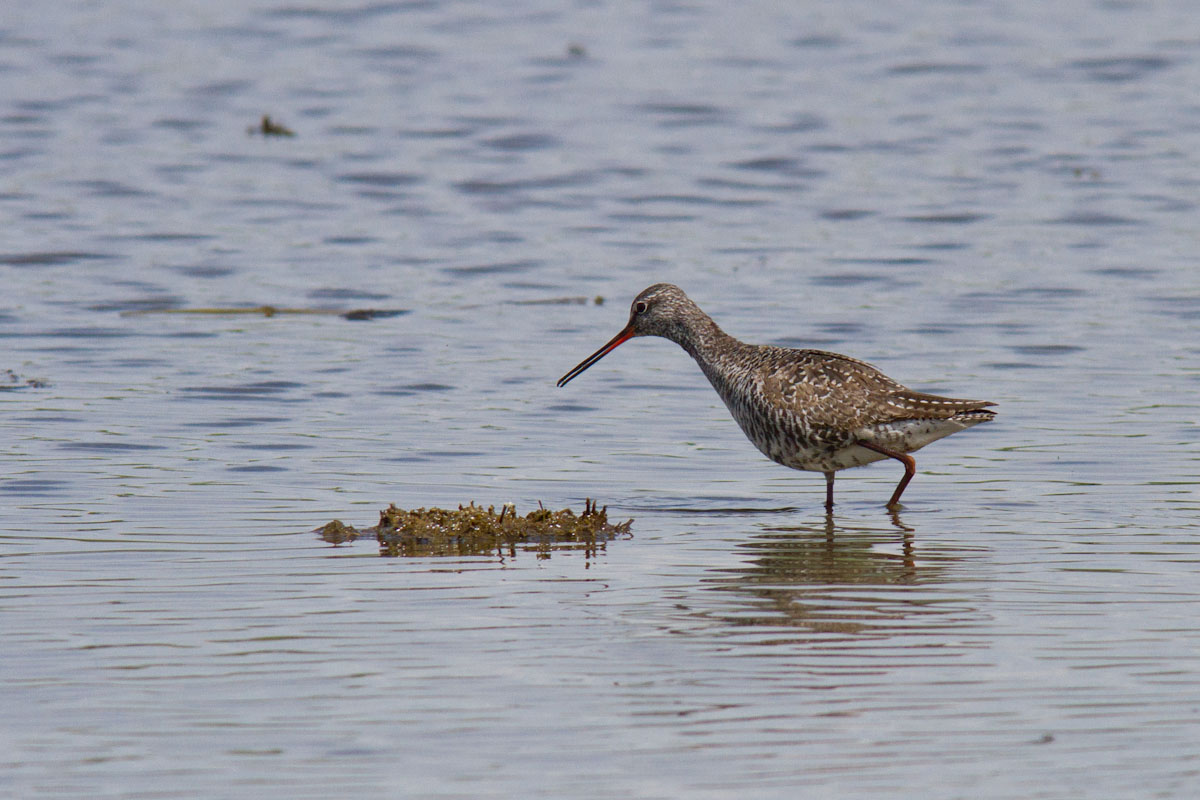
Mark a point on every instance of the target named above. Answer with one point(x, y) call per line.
point(804, 409)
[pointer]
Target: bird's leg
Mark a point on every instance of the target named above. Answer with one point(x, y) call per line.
point(829, 491)
point(910, 468)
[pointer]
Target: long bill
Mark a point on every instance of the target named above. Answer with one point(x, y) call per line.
point(625, 334)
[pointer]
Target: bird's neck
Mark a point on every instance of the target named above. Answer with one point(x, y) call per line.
point(703, 339)
point(714, 350)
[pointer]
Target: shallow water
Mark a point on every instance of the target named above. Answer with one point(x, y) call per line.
point(994, 202)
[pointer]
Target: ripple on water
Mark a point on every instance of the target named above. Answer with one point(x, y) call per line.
point(934, 330)
point(1045, 349)
point(110, 189)
point(405, 52)
point(1181, 306)
point(272, 446)
point(1119, 69)
point(255, 391)
point(350, 240)
point(1043, 297)
point(89, 333)
point(780, 165)
point(169, 236)
point(942, 246)
point(220, 88)
point(51, 258)
point(389, 180)
point(841, 328)
point(639, 218)
point(1135, 273)
point(678, 115)
point(182, 124)
point(690, 200)
point(518, 142)
point(236, 422)
point(946, 219)
point(140, 304)
point(34, 486)
point(212, 271)
point(345, 294)
point(935, 68)
point(501, 268)
point(483, 186)
point(1094, 219)
point(896, 261)
point(851, 279)
point(410, 389)
point(108, 447)
point(846, 214)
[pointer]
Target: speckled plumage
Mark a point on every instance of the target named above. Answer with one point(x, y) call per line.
point(806, 409)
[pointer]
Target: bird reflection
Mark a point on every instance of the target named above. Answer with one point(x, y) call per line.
point(893, 515)
point(830, 578)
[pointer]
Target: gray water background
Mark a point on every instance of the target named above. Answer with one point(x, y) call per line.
point(993, 200)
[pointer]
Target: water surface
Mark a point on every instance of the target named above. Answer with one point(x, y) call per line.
point(992, 201)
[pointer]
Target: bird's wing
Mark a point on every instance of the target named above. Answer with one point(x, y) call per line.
point(841, 394)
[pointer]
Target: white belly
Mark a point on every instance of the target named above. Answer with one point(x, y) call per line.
point(905, 437)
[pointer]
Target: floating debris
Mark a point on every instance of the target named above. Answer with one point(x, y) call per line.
point(269, 127)
point(475, 530)
point(11, 381)
point(355, 315)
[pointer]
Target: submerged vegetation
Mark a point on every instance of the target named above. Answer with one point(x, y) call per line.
point(475, 530)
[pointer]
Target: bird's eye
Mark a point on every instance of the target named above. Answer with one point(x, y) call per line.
point(639, 307)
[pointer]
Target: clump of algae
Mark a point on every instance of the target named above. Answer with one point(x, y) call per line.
point(474, 530)
point(336, 532)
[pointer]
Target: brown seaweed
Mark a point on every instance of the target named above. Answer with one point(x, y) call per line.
point(475, 530)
